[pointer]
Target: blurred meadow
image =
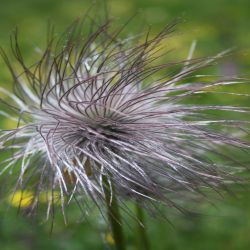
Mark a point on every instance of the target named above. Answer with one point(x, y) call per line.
point(216, 25)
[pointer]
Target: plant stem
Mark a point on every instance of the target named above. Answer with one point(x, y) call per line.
point(142, 234)
point(114, 215)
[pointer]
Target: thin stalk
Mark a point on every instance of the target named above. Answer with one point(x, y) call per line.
point(114, 215)
point(143, 243)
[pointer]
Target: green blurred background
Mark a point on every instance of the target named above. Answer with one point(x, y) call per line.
point(216, 25)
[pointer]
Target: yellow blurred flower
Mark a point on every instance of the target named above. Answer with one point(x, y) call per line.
point(109, 238)
point(21, 198)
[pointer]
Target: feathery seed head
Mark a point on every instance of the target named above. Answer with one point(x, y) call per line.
point(98, 107)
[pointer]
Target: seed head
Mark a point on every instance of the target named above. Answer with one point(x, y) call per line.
point(97, 111)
